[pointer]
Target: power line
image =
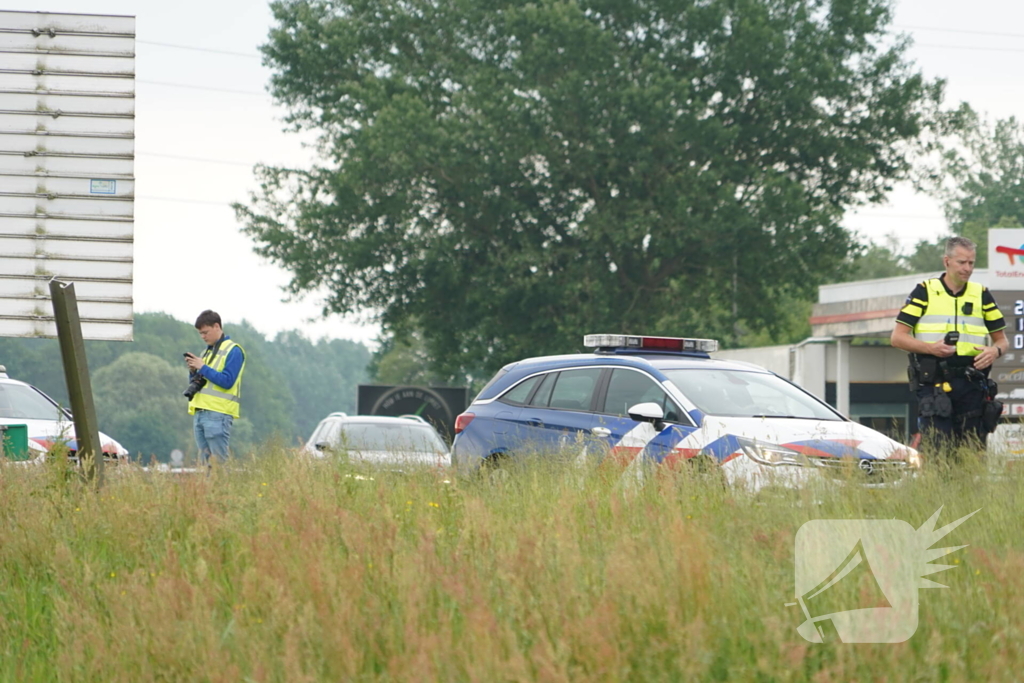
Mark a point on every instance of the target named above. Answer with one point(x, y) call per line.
point(251, 55)
point(254, 55)
point(181, 200)
point(969, 47)
point(919, 217)
point(958, 30)
point(213, 203)
point(203, 87)
point(199, 159)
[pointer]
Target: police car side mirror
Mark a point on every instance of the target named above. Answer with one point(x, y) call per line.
point(322, 446)
point(647, 412)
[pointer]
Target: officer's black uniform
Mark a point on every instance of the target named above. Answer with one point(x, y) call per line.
point(952, 394)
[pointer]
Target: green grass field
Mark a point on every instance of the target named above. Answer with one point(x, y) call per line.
point(287, 570)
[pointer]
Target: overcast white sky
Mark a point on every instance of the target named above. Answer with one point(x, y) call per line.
point(196, 145)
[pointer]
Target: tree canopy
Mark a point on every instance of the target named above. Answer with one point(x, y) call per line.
point(872, 260)
point(507, 176)
point(981, 176)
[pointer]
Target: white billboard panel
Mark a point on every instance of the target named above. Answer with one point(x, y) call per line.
point(1006, 258)
point(67, 179)
point(105, 290)
point(79, 63)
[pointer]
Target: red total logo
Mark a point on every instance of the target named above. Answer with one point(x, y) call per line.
point(1011, 253)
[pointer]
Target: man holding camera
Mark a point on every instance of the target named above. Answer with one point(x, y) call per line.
point(214, 389)
point(944, 325)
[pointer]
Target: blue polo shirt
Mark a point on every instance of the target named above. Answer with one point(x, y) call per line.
point(226, 378)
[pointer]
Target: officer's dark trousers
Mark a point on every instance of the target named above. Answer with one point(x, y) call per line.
point(953, 433)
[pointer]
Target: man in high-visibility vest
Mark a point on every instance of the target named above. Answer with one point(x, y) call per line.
point(944, 325)
point(215, 388)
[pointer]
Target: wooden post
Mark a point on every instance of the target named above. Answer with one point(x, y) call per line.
point(76, 374)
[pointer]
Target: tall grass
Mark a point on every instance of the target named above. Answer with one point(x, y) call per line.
point(293, 570)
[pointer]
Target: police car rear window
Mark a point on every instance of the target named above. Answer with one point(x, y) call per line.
point(498, 375)
point(521, 391)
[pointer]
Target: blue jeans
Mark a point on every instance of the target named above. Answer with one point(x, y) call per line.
point(213, 432)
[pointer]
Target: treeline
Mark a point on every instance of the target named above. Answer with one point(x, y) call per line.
point(290, 383)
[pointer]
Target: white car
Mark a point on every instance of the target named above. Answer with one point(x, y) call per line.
point(664, 400)
point(48, 424)
point(406, 440)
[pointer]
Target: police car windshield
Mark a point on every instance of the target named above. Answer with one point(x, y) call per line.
point(411, 438)
point(24, 402)
point(738, 393)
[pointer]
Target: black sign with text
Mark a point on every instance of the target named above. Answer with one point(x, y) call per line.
point(437, 405)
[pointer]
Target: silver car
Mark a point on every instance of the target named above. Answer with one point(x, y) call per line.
point(406, 440)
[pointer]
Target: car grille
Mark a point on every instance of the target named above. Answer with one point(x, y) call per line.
point(873, 470)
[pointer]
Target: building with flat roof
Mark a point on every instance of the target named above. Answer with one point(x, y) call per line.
point(848, 362)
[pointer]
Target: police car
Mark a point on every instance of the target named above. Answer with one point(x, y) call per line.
point(644, 399)
point(47, 423)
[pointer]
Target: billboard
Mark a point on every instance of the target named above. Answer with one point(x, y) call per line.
point(1006, 258)
point(67, 184)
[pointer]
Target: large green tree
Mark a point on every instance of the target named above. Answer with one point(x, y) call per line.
point(509, 175)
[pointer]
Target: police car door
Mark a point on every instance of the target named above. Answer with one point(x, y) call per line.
point(626, 438)
point(560, 412)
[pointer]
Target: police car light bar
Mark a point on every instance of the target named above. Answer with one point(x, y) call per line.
point(628, 341)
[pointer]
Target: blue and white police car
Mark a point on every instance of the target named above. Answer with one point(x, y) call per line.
point(664, 400)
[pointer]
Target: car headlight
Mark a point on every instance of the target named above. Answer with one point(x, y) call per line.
point(914, 459)
point(771, 454)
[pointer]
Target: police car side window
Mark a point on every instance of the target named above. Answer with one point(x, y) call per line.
point(521, 392)
point(626, 388)
point(543, 395)
point(574, 389)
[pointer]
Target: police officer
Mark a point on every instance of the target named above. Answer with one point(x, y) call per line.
point(944, 325)
point(216, 405)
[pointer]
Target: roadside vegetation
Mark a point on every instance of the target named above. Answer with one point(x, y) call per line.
point(286, 569)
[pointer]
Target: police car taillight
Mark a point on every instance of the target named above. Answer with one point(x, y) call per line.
point(462, 421)
point(628, 341)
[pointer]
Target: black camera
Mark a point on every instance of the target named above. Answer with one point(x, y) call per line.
point(195, 384)
point(194, 387)
point(952, 337)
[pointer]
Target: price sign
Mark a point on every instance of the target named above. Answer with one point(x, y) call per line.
point(1008, 370)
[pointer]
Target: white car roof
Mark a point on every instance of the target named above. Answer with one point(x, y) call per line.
point(376, 419)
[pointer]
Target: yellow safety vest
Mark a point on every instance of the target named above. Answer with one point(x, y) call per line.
point(212, 397)
point(945, 313)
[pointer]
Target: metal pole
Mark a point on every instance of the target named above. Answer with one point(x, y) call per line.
point(843, 376)
point(76, 374)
